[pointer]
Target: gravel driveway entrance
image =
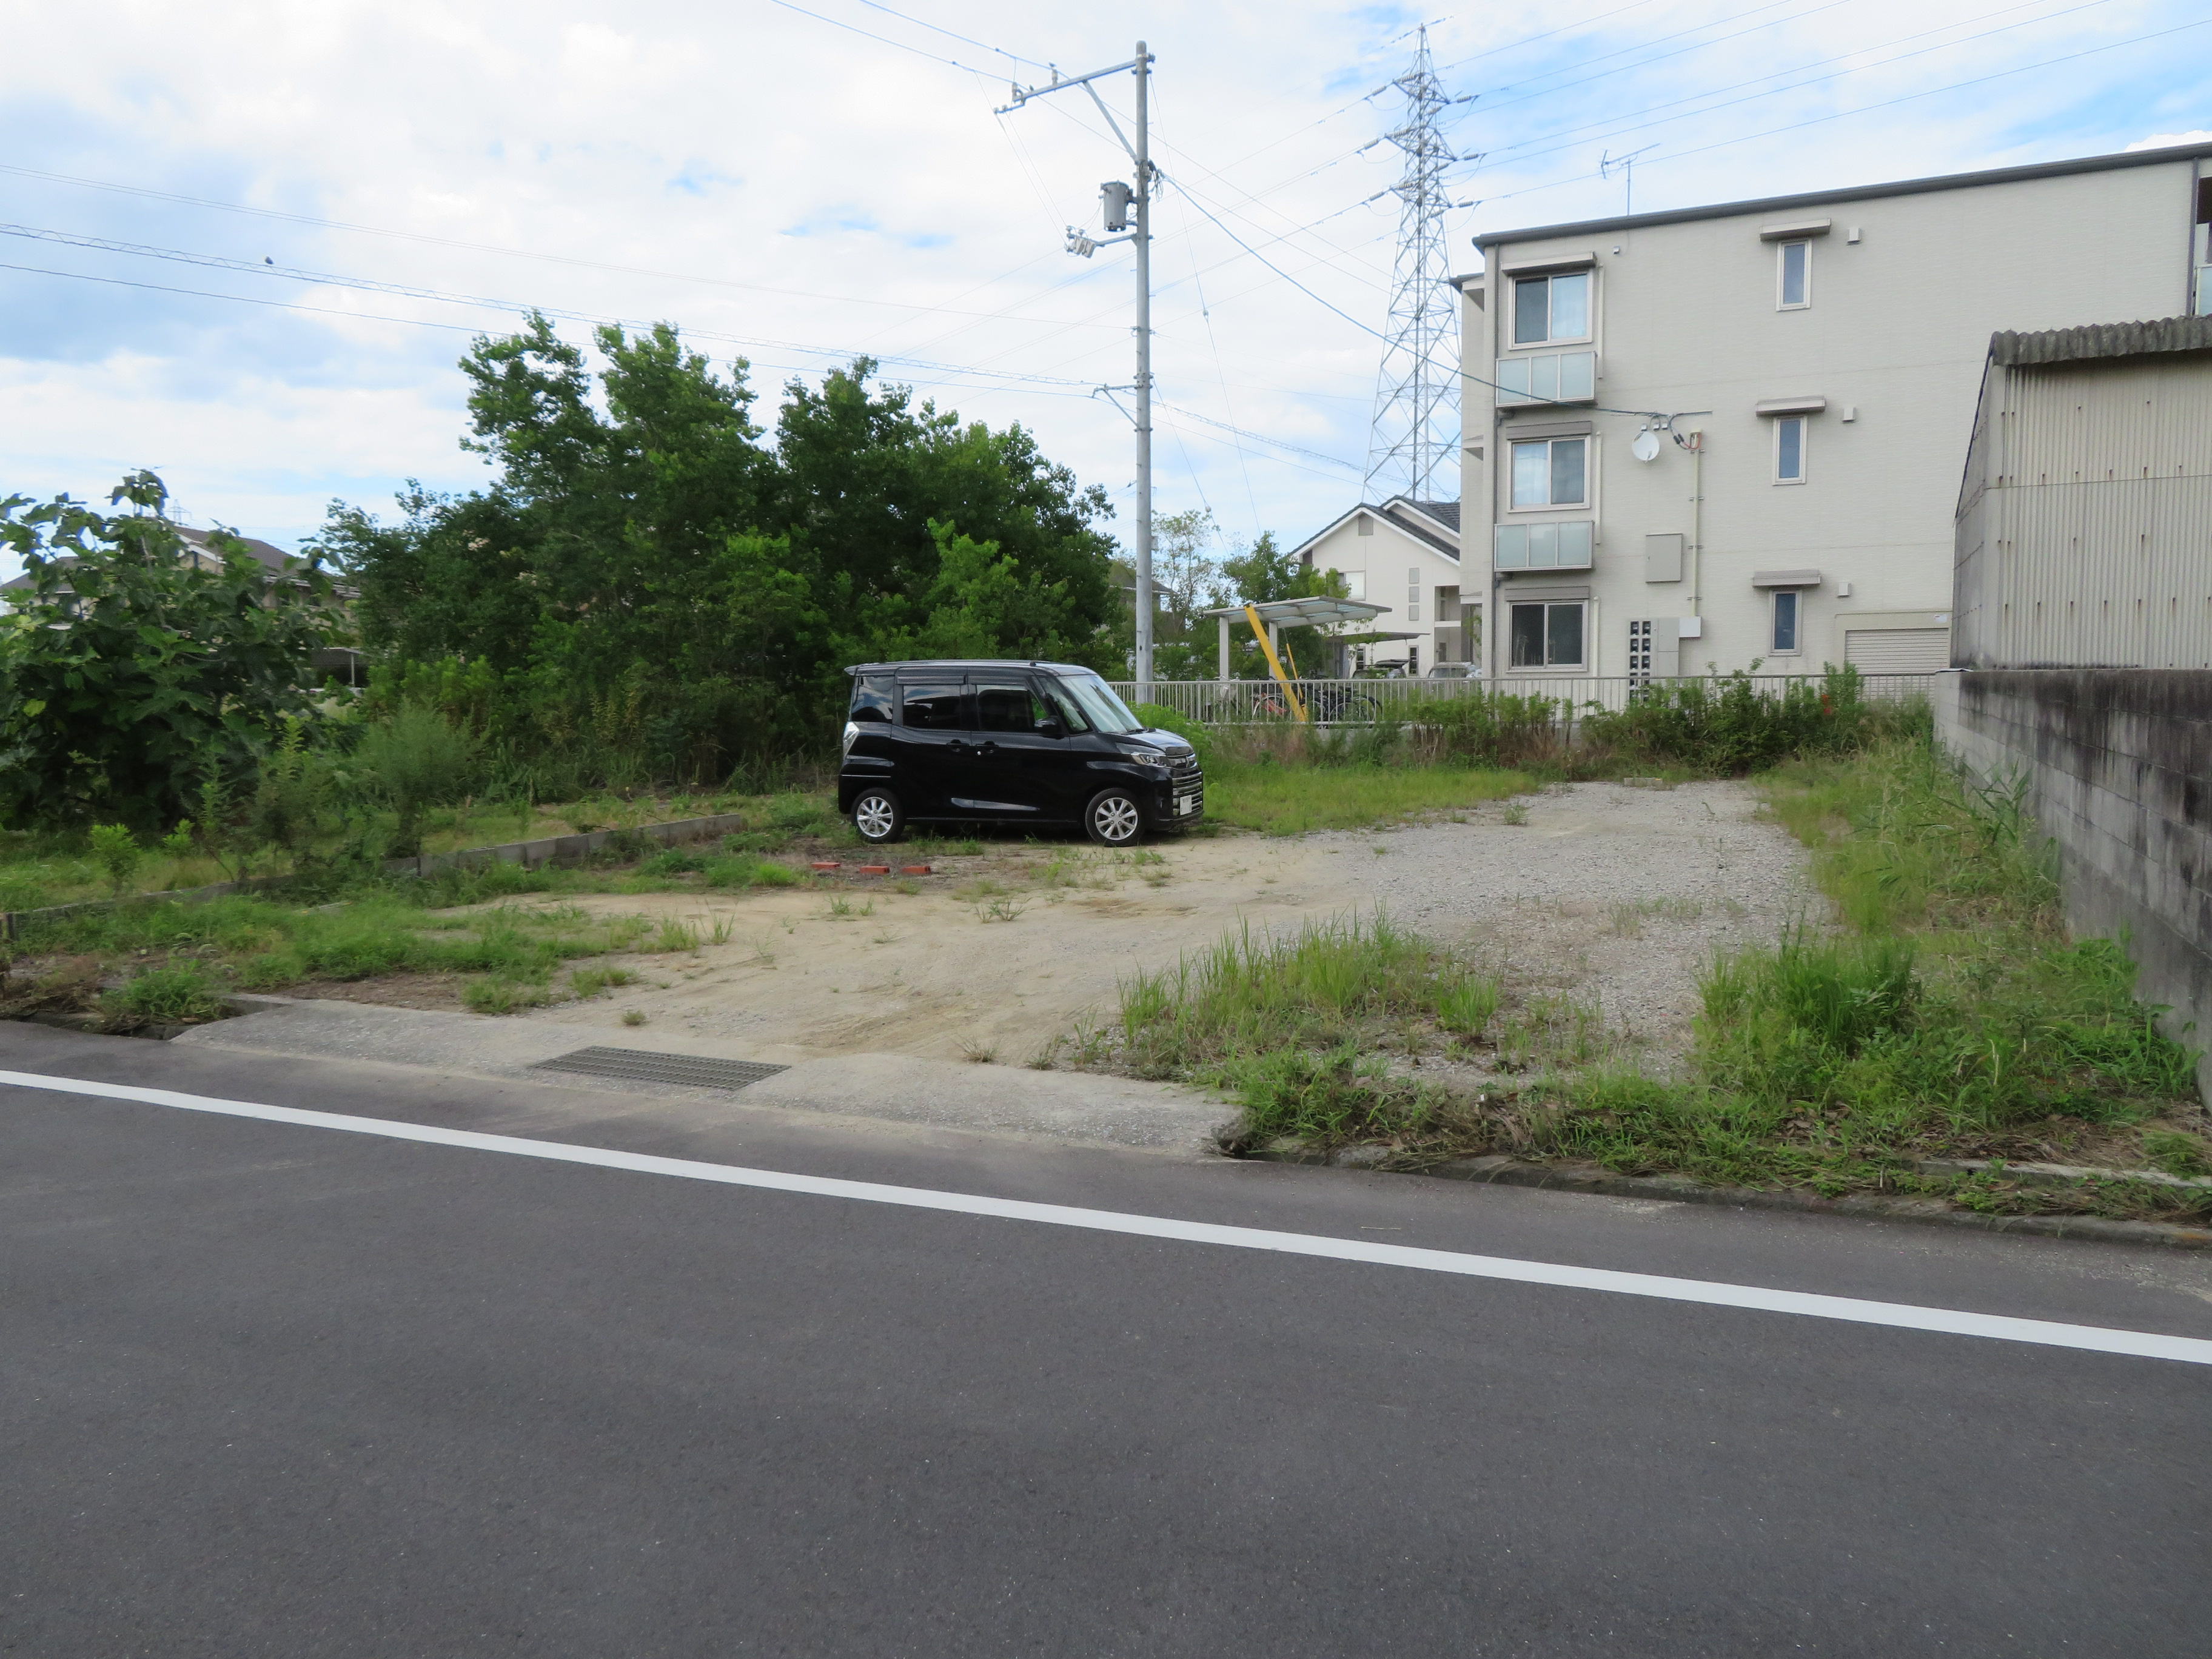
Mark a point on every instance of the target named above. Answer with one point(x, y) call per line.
point(1606, 893)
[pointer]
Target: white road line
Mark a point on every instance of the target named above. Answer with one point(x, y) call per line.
point(1949, 1322)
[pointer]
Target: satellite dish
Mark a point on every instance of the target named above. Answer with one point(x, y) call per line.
point(1646, 447)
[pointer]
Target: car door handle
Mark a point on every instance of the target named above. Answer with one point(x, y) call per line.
point(986, 749)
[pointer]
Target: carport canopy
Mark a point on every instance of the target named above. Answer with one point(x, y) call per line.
point(1315, 611)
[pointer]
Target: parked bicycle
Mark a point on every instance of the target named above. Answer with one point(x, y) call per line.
point(1326, 704)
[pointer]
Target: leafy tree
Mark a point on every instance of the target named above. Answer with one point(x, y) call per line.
point(867, 478)
point(1265, 571)
point(1185, 576)
point(647, 584)
point(129, 674)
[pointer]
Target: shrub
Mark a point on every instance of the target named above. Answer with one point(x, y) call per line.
point(1484, 728)
point(180, 993)
point(129, 672)
point(1731, 725)
point(115, 850)
point(415, 759)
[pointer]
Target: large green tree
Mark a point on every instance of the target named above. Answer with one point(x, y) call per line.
point(649, 574)
point(131, 674)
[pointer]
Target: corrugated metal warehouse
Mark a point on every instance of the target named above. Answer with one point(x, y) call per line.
point(2085, 521)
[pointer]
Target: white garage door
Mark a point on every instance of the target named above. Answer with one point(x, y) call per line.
point(1898, 650)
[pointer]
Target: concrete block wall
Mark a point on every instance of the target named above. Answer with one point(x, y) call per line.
point(2118, 762)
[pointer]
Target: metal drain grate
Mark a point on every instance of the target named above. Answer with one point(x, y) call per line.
point(641, 1066)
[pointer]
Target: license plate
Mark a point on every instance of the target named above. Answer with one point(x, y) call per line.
point(1189, 804)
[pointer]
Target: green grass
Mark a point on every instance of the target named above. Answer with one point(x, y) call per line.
point(1293, 1025)
point(49, 868)
point(1947, 1016)
point(179, 993)
point(1291, 799)
point(255, 944)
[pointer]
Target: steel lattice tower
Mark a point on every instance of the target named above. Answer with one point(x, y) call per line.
point(1414, 442)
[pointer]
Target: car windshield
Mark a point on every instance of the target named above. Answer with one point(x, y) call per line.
point(1091, 702)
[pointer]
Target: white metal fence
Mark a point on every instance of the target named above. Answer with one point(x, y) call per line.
point(1332, 702)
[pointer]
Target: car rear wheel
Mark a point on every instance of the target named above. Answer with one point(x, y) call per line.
point(1113, 818)
point(877, 815)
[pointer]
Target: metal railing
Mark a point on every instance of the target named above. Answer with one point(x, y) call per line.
point(1351, 702)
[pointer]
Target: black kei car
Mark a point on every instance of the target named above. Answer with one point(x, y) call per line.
point(1042, 742)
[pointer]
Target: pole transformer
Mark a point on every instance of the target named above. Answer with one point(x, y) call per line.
point(1127, 209)
point(1416, 427)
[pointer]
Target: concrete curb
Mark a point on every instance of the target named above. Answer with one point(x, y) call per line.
point(1500, 1171)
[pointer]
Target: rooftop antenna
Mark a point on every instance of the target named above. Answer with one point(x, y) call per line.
point(1608, 164)
point(1416, 426)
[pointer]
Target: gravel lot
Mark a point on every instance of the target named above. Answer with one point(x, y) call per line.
point(1611, 894)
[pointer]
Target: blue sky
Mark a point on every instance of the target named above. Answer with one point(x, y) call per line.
point(754, 172)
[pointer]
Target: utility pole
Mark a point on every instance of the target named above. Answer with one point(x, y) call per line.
point(1128, 210)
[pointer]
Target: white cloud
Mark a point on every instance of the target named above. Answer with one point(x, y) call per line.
point(818, 193)
point(2162, 140)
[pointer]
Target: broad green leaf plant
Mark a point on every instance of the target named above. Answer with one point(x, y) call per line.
point(133, 670)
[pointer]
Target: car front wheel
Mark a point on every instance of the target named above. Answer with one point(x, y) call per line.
point(1113, 818)
point(877, 816)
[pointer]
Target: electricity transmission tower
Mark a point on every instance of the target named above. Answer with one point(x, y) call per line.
point(1414, 447)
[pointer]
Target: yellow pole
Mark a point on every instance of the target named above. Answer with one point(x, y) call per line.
point(1290, 692)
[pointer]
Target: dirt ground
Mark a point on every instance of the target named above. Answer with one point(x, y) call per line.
point(1612, 894)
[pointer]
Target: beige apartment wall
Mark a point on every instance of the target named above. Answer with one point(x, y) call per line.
point(1894, 340)
point(1380, 563)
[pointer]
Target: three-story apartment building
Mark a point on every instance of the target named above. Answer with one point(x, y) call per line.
point(1730, 434)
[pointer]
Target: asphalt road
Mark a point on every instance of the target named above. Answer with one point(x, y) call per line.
point(275, 1389)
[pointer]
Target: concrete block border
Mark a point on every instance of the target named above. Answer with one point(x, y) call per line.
point(529, 854)
point(1502, 1171)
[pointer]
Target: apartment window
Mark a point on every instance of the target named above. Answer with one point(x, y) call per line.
point(1788, 450)
point(1793, 275)
point(1547, 636)
point(1413, 593)
point(1548, 309)
point(1788, 610)
point(1552, 472)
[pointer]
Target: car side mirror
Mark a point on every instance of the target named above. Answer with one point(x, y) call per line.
point(1050, 728)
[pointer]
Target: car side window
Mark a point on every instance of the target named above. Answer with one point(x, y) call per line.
point(1007, 708)
point(873, 697)
point(1065, 706)
point(931, 708)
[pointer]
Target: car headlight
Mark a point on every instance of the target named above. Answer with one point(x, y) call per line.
point(1142, 756)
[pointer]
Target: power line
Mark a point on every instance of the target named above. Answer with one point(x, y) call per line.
point(1634, 124)
point(1531, 40)
point(509, 253)
point(1260, 437)
point(403, 290)
point(1645, 413)
point(837, 24)
point(874, 5)
point(1868, 109)
point(1049, 386)
point(1660, 58)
